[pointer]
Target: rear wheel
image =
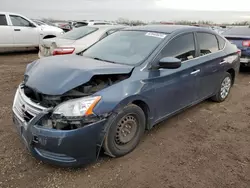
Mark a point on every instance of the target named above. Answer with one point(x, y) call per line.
point(125, 132)
point(224, 89)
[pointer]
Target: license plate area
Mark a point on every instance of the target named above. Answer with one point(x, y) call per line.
point(244, 60)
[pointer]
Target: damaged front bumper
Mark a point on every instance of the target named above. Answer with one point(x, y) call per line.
point(59, 147)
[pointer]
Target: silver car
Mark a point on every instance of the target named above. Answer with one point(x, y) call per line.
point(76, 40)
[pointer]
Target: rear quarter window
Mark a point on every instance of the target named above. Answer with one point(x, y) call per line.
point(3, 20)
point(208, 43)
point(222, 42)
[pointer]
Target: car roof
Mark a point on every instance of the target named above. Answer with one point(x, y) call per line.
point(12, 13)
point(165, 28)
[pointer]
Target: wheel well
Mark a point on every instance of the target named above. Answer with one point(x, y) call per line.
point(232, 72)
point(145, 109)
point(49, 36)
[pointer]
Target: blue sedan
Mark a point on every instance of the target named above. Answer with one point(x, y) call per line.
point(240, 36)
point(70, 107)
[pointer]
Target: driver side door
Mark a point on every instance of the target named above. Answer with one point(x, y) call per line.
point(176, 89)
point(25, 34)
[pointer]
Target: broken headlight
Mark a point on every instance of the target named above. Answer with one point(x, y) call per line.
point(77, 107)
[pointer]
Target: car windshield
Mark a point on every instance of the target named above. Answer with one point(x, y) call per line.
point(242, 31)
point(78, 33)
point(125, 47)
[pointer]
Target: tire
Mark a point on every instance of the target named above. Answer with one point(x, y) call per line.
point(125, 131)
point(224, 89)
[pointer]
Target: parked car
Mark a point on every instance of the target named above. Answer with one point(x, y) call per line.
point(77, 24)
point(41, 22)
point(65, 26)
point(240, 36)
point(76, 40)
point(19, 31)
point(218, 29)
point(68, 26)
point(69, 107)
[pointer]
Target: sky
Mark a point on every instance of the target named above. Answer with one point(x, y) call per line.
point(147, 10)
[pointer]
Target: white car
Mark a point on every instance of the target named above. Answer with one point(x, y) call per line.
point(18, 31)
point(76, 40)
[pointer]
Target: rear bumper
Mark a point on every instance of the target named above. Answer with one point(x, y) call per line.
point(245, 61)
point(43, 52)
point(65, 148)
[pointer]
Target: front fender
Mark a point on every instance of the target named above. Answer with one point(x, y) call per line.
point(121, 94)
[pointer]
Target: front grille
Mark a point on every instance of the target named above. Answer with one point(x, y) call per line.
point(24, 108)
point(45, 101)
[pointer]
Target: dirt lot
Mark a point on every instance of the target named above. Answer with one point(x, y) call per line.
point(205, 146)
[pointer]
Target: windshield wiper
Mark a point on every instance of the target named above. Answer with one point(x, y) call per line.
point(99, 59)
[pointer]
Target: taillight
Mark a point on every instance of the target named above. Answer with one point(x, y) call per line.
point(63, 51)
point(246, 43)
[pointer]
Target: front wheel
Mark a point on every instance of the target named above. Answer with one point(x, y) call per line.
point(125, 131)
point(224, 89)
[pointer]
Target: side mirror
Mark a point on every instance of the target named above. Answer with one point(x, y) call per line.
point(169, 63)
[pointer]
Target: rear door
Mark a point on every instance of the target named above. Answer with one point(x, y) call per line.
point(24, 32)
point(6, 33)
point(211, 62)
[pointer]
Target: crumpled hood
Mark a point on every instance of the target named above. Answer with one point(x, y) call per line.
point(59, 74)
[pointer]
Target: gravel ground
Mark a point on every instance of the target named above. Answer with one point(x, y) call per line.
point(204, 146)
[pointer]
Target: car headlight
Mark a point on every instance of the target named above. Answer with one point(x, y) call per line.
point(77, 107)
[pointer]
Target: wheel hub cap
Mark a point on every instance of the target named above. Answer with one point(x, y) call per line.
point(225, 87)
point(126, 130)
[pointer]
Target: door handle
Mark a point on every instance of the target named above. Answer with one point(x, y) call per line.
point(195, 72)
point(17, 29)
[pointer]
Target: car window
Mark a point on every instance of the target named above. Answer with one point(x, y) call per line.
point(181, 47)
point(19, 21)
point(78, 33)
point(125, 47)
point(3, 20)
point(80, 24)
point(208, 43)
point(101, 23)
point(222, 42)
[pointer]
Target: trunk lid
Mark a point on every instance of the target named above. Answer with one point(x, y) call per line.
point(237, 40)
point(48, 45)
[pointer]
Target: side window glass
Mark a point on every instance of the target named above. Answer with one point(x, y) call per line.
point(19, 21)
point(222, 42)
point(181, 47)
point(208, 43)
point(3, 20)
